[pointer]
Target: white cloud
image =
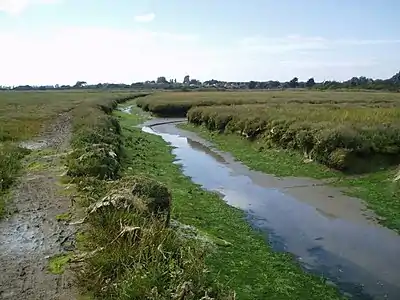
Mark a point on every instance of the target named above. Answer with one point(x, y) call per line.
point(95, 55)
point(15, 7)
point(145, 18)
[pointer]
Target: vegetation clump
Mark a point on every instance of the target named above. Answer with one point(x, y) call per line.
point(136, 194)
point(10, 166)
point(96, 142)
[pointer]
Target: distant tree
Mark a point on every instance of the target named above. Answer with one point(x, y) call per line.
point(186, 79)
point(211, 82)
point(354, 81)
point(294, 82)
point(252, 85)
point(273, 84)
point(301, 85)
point(262, 85)
point(194, 81)
point(395, 78)
point(310, 82)
point(162, 79)
point(23, 88)
point(80, 84)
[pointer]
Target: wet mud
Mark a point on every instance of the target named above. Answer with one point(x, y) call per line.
point(30, 234)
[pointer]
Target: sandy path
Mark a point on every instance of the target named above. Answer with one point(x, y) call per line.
point(31, 235)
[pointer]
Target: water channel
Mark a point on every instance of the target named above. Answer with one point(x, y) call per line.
point(331, 234)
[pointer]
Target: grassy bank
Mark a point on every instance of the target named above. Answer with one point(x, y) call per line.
point(129, 252)
point(239, 260)
point(342, 137)
point(378, 189)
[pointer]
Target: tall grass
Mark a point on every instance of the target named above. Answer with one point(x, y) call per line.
point(150, 262)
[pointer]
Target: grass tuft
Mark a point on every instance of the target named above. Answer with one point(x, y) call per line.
point(58, 263)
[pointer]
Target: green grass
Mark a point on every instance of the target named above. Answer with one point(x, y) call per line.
point(64, 217)
point(378, 189)
point(58, 263)
point(247, 265)
point(10, 168)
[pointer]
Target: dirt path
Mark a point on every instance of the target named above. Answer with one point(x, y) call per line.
point(31, 235)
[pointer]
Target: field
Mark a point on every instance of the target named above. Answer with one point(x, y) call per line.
point(338, 129)
point(178, 104)
point(23, 115)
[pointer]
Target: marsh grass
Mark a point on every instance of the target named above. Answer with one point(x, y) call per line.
point(173, 104)
point(342, 130)
point(341, 137)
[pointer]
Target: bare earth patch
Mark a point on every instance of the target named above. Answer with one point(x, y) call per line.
point(32, 234)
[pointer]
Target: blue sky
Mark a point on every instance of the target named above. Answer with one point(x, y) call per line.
point(62, 41)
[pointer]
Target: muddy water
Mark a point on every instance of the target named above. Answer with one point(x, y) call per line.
point(331, 234)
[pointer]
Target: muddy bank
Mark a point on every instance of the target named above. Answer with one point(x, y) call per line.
point(31, 234)
point(331, 234)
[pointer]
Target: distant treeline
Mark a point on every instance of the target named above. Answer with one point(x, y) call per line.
point(391, 84)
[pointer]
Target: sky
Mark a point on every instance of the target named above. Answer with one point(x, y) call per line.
point(63, 41)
